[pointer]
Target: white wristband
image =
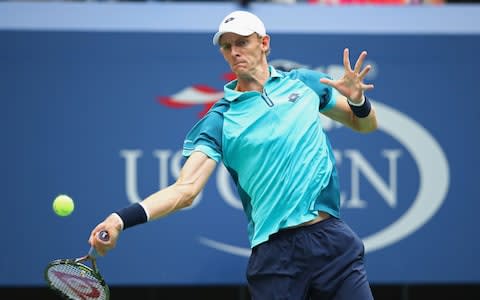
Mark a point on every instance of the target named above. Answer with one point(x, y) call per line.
point(356, 104)
point(119, 219)
point(146, 211)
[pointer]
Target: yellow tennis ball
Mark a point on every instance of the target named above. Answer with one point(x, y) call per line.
point(63, 205)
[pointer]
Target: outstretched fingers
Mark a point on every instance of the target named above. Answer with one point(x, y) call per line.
point(346, 60)
point(352, 80)
point(367, 87)
point(327, 81)
point(364, 72)
point(359, 63)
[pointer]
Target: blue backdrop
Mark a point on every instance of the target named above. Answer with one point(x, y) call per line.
point(101, 115)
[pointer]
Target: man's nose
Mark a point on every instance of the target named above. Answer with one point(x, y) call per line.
point(235, 51)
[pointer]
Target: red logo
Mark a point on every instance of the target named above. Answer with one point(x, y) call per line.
point(203, 95)
point(84, 287)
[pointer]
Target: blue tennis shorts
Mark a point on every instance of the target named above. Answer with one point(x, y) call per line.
point(323, 261)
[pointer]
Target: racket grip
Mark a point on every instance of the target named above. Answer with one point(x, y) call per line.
point(103, 235)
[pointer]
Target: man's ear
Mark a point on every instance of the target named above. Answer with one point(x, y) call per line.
point(266, 43)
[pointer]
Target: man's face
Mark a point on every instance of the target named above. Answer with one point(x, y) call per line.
point(243, 53)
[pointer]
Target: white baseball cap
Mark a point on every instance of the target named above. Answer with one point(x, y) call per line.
point(240, 22)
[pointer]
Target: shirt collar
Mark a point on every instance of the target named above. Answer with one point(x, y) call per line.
point(229, 89)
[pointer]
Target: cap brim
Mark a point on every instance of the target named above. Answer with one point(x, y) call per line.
point(218, 35)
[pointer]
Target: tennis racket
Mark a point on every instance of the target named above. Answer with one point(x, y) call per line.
point(74, 280)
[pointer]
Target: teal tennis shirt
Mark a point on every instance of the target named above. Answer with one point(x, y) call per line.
point(275, 149)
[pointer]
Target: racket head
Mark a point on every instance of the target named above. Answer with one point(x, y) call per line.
point(72, 279)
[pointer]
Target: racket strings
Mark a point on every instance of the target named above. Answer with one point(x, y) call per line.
point(77, 282)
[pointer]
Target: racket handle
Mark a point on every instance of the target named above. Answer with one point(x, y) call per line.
point(103, 235)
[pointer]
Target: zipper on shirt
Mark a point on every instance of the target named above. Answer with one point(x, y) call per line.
point(266, 98)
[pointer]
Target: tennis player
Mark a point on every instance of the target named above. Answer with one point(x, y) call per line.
point(267, 132)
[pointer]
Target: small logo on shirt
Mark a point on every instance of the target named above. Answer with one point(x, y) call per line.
point(293, 97)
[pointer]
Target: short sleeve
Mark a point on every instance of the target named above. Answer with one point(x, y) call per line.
point(326, 93)
point(206, 136)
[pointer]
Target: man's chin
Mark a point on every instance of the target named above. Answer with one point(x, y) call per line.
point(240, 70)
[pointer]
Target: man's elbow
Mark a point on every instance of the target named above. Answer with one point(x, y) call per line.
point(188, 196)
point(370, 128)
point(366, 127)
